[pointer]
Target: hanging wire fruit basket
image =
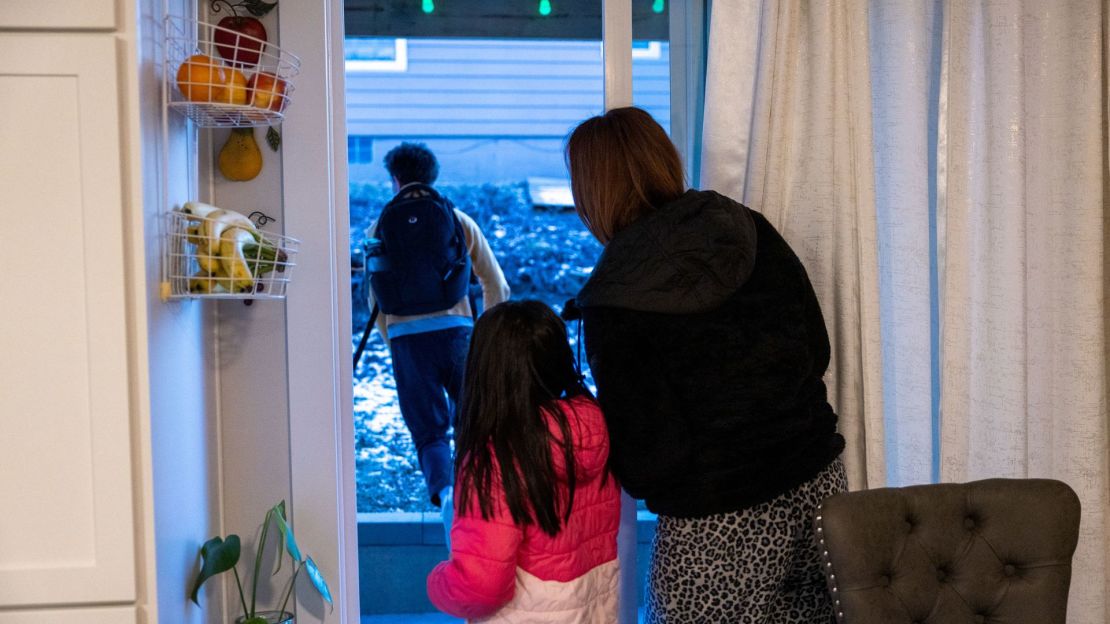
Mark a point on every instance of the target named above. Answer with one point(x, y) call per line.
point(224, 255)
point(223, 78)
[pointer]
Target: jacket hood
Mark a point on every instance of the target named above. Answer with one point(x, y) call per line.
point(590, 436)
point(686, 256)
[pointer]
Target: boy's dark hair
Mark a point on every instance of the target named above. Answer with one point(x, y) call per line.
point(518, 367)
point(412, 162)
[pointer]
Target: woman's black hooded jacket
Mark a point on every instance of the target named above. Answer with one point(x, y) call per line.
point(708, 348)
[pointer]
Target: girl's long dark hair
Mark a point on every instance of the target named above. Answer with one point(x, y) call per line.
point(518, 366)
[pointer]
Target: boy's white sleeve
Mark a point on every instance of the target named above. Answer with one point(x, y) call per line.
point(494, 287)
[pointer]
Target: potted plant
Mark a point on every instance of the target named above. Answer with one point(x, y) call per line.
point(218, 555)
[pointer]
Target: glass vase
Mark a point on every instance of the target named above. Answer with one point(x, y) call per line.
point(270, 617)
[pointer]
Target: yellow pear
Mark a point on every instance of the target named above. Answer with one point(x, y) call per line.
point(240, 158)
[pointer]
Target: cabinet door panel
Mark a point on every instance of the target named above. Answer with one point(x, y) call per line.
point(58, 14)
point(95, 615)
point(65, 471)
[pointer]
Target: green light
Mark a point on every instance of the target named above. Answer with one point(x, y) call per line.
point(658, 6)
point(428, 6)
point(545, 7)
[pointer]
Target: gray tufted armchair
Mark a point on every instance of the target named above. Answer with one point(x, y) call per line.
point(989, 551)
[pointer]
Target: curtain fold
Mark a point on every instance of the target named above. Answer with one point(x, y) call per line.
point(943, 170)
point(788, 133)
point(1106, 295)
point(906, 51)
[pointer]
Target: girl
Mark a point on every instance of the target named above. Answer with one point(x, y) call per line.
point(535, 534)
point(708, 347)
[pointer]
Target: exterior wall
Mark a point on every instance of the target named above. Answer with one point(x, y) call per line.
point(492, 110)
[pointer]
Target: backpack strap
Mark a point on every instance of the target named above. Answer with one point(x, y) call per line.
point(366, 334)
point(417, 191)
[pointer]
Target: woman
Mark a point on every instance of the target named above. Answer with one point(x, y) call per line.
point(708, 348)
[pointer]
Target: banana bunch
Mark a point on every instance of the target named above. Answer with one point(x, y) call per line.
point(230, 250)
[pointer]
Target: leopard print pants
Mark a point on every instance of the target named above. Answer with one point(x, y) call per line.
point(760, 565)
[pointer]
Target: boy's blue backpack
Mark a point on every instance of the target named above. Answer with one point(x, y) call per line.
point(421, 264)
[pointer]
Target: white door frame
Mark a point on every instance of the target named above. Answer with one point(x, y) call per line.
point(616, 52)
point(318, 308)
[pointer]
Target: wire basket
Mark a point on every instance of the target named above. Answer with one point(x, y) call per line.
point(210, 259)
point(221, 78)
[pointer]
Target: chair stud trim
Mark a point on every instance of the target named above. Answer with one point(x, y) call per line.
point(819, 522)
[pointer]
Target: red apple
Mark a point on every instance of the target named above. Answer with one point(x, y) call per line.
point(267, 91)
point(233, 46)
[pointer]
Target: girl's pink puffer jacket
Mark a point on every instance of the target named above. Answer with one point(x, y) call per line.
point(502, 573)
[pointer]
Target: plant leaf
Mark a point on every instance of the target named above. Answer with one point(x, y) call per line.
point(287, 533)
point(258, 8)
point(277, 511)
point(273, 137)
point(217, 556)
point(317, 579)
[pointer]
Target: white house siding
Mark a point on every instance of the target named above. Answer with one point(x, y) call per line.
point(493, 110)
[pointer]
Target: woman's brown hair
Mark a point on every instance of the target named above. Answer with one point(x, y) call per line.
point(622, 165)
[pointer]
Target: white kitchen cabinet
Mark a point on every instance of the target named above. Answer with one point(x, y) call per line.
point(58, 14)
point(66, 531)
point(96, 615)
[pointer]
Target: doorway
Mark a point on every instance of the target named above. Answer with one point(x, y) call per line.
point(492, 89)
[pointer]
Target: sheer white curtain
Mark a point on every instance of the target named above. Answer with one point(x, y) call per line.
point(788, 132)
point(1021, 216)
point(963, 145)
point(989, 122)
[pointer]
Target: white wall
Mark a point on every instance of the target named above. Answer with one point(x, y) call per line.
point(281, 431)
point(181, 351)
point(251, 355)
point(219, 386)
point(218, 383)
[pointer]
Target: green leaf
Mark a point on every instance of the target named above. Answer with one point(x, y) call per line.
point(258, 619)
point(273, 137)
point(257, 8)
point(265, 530)
point(287, 533)
point(258, 269)
point(217, 556)
point(317, 579)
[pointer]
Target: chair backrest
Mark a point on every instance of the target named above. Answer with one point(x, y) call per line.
point(989, 551)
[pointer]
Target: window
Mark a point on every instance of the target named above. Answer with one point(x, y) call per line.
point(360, 150)
point(374, 54)
point(647, 50)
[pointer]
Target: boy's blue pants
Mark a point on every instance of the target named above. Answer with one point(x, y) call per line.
point(428, 367)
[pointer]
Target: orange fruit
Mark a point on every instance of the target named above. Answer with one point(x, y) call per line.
point(234, 89)
point(201, 78)
point(268, 91)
